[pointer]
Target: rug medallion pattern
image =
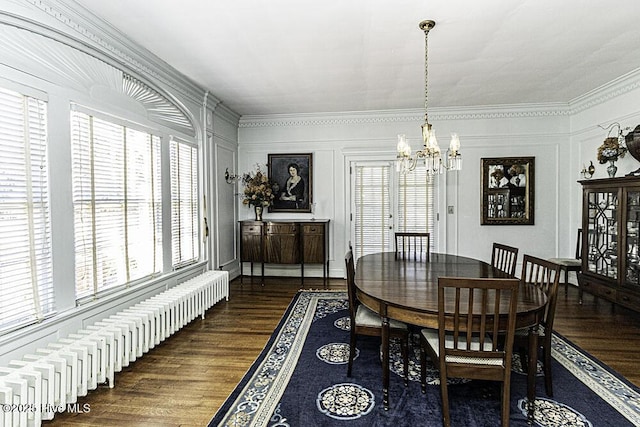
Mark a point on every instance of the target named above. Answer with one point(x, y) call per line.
point(258, 402)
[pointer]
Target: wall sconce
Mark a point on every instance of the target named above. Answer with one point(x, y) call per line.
point(230, 178)
point(587, 172)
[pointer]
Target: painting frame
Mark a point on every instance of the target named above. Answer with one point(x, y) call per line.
point(507, 190)
point(289, 196)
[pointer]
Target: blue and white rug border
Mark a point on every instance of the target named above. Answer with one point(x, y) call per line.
point(611, 388)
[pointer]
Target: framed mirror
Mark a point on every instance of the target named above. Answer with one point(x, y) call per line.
point(507, 190)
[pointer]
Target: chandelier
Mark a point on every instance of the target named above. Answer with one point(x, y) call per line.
point(430, 153)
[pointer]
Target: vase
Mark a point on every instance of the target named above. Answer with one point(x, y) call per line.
point(612, 168)
point(258, 210)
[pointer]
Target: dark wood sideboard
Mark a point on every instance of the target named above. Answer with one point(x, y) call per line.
point(284, 242)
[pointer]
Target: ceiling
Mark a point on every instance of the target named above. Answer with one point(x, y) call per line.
point(291, 56)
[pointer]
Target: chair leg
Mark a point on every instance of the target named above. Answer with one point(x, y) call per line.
point(405, 357)
point(444, 396)
point(423, 367)
point(506, 400)
point(548, 380)
point(566, 282)
point(352, 351)
point(524, 359)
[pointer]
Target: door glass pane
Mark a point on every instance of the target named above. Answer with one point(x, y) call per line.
point(632, 261)
point(602, 234)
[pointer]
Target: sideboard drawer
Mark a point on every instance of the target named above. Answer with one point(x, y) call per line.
point(597, 289)
point(628, 299)
point(282, 228)
point(251, 229)
point(316, 229)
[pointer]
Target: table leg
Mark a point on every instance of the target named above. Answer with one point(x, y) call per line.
point(385, 362)
point(531, 374)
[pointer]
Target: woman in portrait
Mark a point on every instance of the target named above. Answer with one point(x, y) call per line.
point(293, 193)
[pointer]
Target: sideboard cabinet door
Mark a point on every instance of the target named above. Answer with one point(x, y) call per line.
point(251, 241)
point(282, 242)
point(314, 244)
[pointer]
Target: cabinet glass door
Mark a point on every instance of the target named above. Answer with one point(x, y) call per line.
point(602, 233)
point(632, 258)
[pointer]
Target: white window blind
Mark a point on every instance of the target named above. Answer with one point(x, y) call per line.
point(184, 204)
point(26, 284)
point(372, 203)
point(117, 204)
point(415, 203)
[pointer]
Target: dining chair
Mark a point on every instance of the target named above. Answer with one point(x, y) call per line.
point(545, 275)
point(504, 258)
point(412, 244)
point(367, 322)
point(465, 345)
point(571, 264)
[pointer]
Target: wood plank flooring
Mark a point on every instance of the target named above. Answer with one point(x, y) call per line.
point(183, 381)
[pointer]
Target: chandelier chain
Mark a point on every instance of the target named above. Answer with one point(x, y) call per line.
point(426, 74)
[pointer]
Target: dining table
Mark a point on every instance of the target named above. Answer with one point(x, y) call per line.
point(407, 290)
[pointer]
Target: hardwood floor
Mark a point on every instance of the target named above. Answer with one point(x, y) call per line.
point(183, 381)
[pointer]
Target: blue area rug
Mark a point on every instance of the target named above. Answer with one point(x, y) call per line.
point(300, 380)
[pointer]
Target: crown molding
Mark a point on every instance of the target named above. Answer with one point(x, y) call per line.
point(405, 115)
point(624, 84)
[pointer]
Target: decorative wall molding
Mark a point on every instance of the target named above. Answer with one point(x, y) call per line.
point(66, 66)
point(406, 115)
point(93, 32)
point(159, 108)
point(618, 87)
point(622, 85)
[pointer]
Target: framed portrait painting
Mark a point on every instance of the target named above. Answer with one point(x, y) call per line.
point(292, 178)
point(507, 190)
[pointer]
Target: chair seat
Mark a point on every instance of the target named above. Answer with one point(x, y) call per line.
point(567, 262)
point(431, 335)
point(368, 317)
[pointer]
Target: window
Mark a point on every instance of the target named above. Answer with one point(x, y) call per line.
point(375, 185)
point(26, 283)
point(185, 246)
point(117, 204)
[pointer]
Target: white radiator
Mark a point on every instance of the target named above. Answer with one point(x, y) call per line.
point(51, 379)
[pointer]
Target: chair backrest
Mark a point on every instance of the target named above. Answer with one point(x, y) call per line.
point(351, 285)
point(504, 258)
point(545, 275)
point(416, 245)
point(579, 244)
point(475, 318)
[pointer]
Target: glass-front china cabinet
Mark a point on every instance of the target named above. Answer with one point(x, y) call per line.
point(610, 255)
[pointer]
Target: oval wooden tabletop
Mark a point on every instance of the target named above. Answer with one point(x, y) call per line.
point(407, 290)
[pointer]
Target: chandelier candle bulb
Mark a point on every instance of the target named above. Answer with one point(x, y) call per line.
point(454, 146)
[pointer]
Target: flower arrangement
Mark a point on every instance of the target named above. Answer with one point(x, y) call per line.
point(257, 188)
point(610, 150)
